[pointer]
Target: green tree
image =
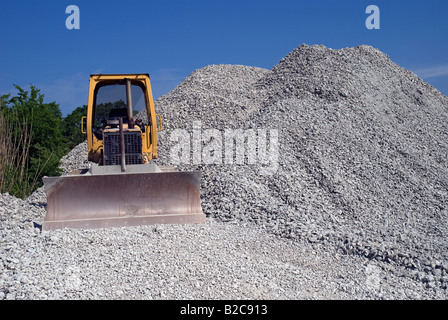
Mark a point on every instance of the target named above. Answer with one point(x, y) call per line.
point(42, 123)
point(71, 127)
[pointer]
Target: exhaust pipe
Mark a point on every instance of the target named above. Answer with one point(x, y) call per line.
point(130, 124)
point(129, 102)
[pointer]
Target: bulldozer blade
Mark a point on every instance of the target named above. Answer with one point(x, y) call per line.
point(115, 200)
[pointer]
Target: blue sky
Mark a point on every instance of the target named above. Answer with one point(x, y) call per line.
point(171, 39)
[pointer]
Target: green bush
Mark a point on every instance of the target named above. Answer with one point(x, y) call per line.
point(71, 127)
point(32, 141)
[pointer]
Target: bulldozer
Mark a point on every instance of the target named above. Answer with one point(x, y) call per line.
point(123, 186)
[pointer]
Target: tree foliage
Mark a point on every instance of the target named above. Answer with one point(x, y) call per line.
point(71, 127)
point(26, 115)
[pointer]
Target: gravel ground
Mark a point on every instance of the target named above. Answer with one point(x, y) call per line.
point(215, 260)
point(354, 207)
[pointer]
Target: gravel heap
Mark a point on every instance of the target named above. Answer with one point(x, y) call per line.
point(354, 207)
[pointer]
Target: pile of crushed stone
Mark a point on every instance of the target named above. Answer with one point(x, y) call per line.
point(361, 160)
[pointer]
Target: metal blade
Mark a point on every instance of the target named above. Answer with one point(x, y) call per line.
point(112, 200)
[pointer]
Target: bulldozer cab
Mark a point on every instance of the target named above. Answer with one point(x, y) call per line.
point(126, 97)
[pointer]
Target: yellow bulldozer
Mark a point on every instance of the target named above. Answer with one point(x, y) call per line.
point(123, 187)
